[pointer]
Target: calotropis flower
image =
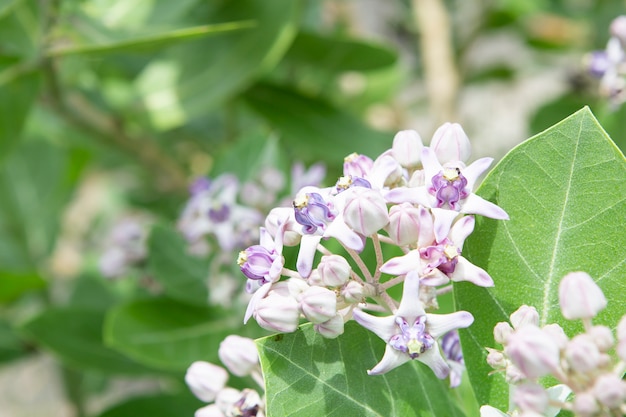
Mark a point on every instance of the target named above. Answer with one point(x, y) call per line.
point(411, 333)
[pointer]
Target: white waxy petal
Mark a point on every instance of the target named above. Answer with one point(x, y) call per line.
point(205, 380)
point(523, 316)
point(407, 147)
point(580, 297)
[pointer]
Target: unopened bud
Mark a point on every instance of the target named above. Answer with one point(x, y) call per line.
point(353, 292)
point(332, 328)
point(278, 313)
point(610, 390)
point(334, 270)
point(239, 354)
point(451, 144)
point(618, 28)
point(580, 297)
point(293, 287)
point(602, 337)
point(585, 404)
point(501, 332)
point(531, 397)
point(532, 351)
point(205, 380)
point(557, 334)
point(407, 147)
point(513, 375)
point(211, 410)
point(496, 359)
point(404, 224)
point(227, 398)
point(365, 211)
point(582, 354)
point(318, 304)
point(523, 316)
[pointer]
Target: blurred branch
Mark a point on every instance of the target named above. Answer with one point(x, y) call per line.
point(440, 72)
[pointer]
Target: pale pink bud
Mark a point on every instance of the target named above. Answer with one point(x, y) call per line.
point(531, 397)
point(618, 28)
point(211, 410)
point(557, 334)
point(582, 354)
point(585, 404)
point(580, 297)
point(610, 390)
point(239, 354)
point(334, 270)
point(450, 143)
point(501, 332)
point(332, 328)
point(532, 351)
point(365, 211)
point(407, 147)
point(523, 316)
point(315, 279)
point(318, 304)
point(417, 179)
point(353, 292)
point(205, 380)
point(278, 313)
point(227, 398)
point(602, 337)
point(495, 359)
point(513, 375)
point(404, 224)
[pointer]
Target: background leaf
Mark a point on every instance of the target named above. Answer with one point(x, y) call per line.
point(158, 406)
point(306, 374)
point(564, 192)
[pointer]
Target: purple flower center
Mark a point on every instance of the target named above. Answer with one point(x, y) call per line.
point(256, 261)
point(312, 212)
point(443, 256)
point(448, 187)
point(412, 339)
point(219, 213)
point(349, 181)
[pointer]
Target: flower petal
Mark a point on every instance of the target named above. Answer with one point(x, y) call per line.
point(439, 324)
point(460, 230)
point(391, 359)
point(477, 205)
point(258, 295)
point(410, 306)
point(443, 219)
point(475, 170)
point(400, 265)
point(383, 327)
point(467, 271)
point(431, 164)
point(306, 255)
point(340, 231)
point(433, 359)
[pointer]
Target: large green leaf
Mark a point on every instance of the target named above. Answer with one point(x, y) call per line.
point(75, 335)
point(564, 192)
point(14, 284)
point(308, 375)
point(166, 334)
point(17, 94)
point(183, 276)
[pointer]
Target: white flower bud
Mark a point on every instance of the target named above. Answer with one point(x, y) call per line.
point(523, 316)
point(278, 313)
point(318, 304)
point(585, 404)
point(602, 337)
point(315, 279)
point(531, 397)
point(205, 380)
point(496, 359)
point(618, 28)
point(580, 297)
point(532, 351)
point(501, 332)
point(365, 211)
point(239, 354)
point(353, 292)
point(513, 375)
point(404, 224)
point(451, 144)
point(293, 287)
point(417, 179)
point(557, 334)
point(210, 410)
point(407, 147)
point(334, 270)
point(332, 328)
point(226, 398)
point(582, 354)
point(610, 390)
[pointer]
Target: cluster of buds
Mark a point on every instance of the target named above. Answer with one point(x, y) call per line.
point(125, 247)
point(609, 65)
point(415, 198)
point(208, 381)
point(583, 364)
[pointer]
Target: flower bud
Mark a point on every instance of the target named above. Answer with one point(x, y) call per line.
point(501, 332)
point(496, 359)
point(211, 410)
point(357, 165)
point(332, 328)
point(334, 270)
point(226, 398)
point(315, 279)
point(556, 333)
point(532, 351)
point(248, 404)
point(239, 354)
point(585, 404)
point(353, 292)
point(277, 312)
point(417, 179)
point(450, 143)
point(610, 390)
point(582, 354)
point(407, 147)
point(580, 297)
point(513, 375)
point(404, 224)
point(531, 397)
point(293, 287)
point(523, 316)
point(318, 304)
point(205, 380)
point(602, 337)
point(618, 28)
point(365, 211)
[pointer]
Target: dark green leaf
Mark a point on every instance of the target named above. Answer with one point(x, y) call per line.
point(11, 346)
point(17, 94)
point(308, 375)
point(564, 192)
point(156, 406)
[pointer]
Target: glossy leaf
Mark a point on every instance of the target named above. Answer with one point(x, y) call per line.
point(182, 275)
point(75, 335)
point(307, 374)
point(564, 192)
point(168, 335)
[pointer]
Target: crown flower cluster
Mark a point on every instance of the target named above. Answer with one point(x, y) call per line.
point(590, 376)
point(417, 199)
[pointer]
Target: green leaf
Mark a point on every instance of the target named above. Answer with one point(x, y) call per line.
point(314, 128)
point(14, 284)
point(17, 94)
point(564, 192)
point(11, 346)
point(183, 276)
point(75, 335)
point(166, 334)
point(158, 406)
point(150, 41)
point(308, 375)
